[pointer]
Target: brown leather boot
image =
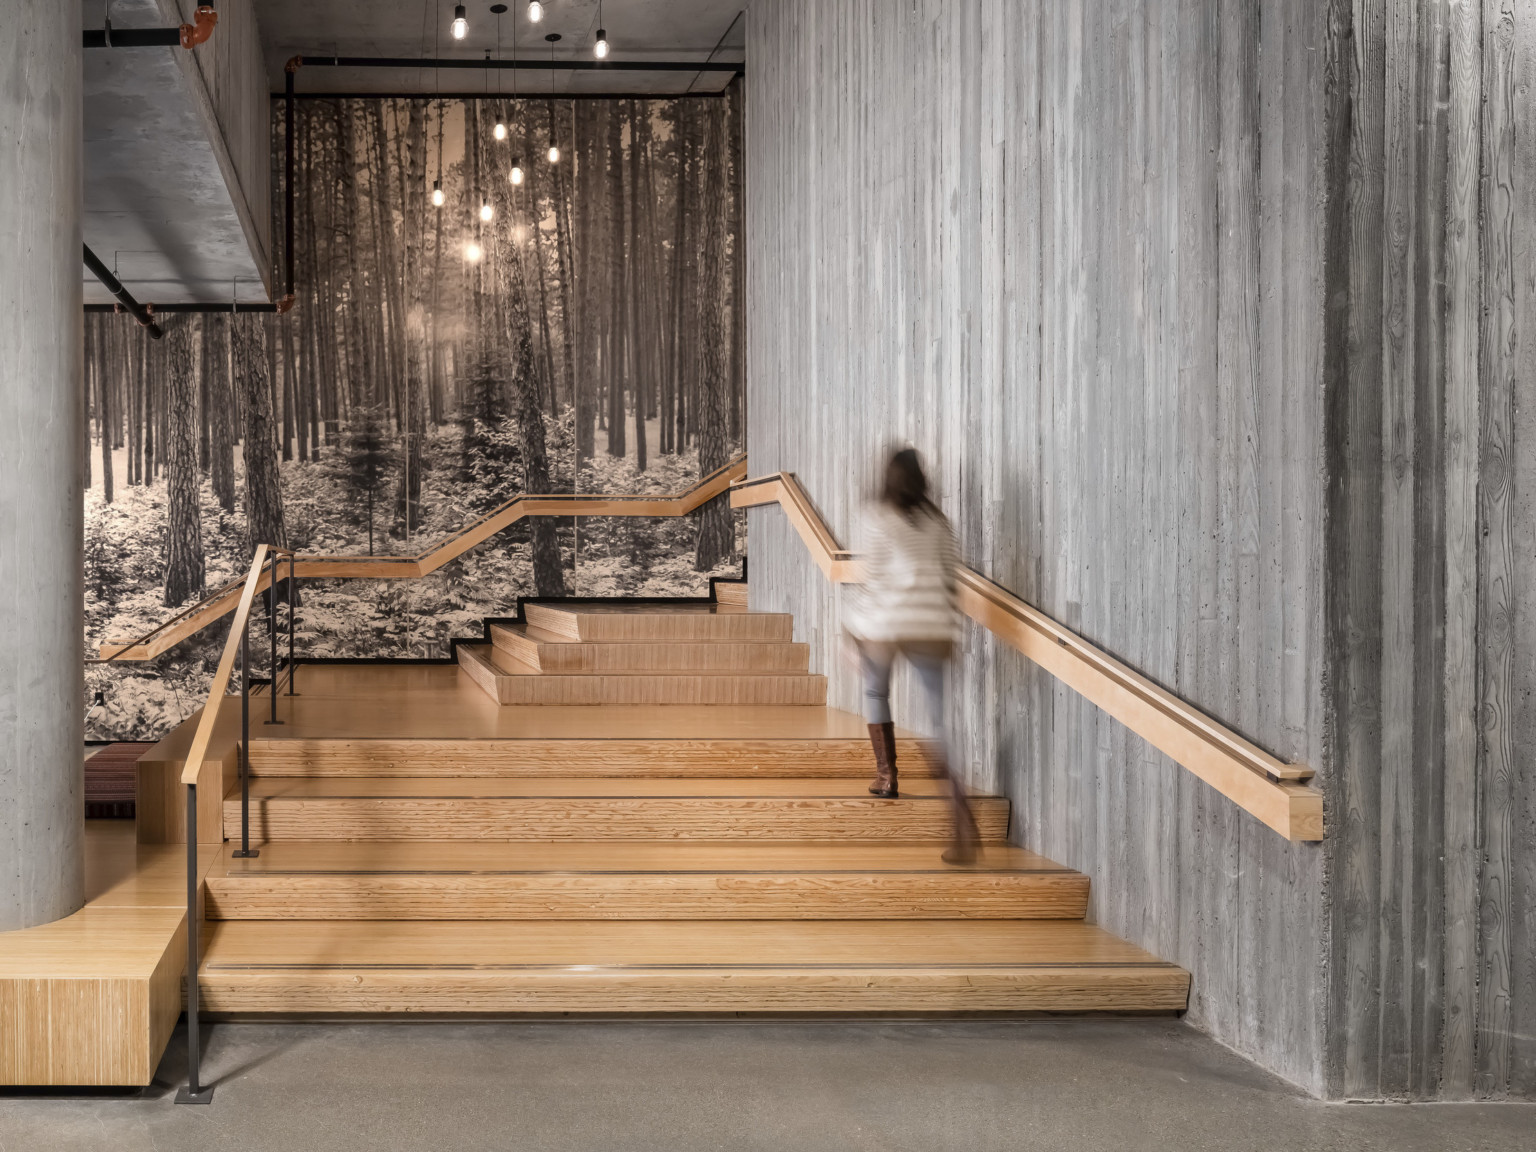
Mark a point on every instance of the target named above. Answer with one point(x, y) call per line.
point(962, 849)
point(883, 738)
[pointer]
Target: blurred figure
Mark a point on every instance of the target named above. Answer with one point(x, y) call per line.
point(906, 608)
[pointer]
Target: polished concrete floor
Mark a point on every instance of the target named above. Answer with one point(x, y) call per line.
point(1143, 1084)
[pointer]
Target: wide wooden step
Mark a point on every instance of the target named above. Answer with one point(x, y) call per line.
point(636, 881)
point(680, 966)
point(549, 652)
point(510, 682)
point(398, 808)
point(671, 621)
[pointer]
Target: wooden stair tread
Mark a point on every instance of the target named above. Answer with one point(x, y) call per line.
point(456, 857)
point(439, 701)
point(731, 592)
point(277, 788)
point(808, 943)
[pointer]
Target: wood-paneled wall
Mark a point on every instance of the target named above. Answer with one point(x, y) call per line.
point(229, 78)
point(1158, 288)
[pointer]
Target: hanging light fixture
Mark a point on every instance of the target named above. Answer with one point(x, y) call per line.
point(600, 49)
point(473, 252)
point(486, 211)
point(517, 170)
point(438, 199)
point(535, 11)
point(500, 131)
point(460, 22)
point(554, 149)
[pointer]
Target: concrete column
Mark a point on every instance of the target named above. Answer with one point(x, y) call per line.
point(42, 867)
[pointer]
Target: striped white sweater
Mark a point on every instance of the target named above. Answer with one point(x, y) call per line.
point(908, 568)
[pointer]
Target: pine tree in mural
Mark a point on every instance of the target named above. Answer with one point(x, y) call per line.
point(184, 573)
point(368, 452)
point(263, 491)
point(714, 544)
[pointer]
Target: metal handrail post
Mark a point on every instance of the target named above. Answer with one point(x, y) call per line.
point(272, 636)
point(293, 580)
point(245, 851)
point(194, 1092)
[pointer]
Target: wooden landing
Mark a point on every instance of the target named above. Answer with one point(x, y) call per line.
point(509, 681)
point(670, 622)
point(91, 1000)
point(477, 880)
point(681, 966)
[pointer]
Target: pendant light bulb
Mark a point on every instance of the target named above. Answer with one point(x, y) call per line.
point(486, 211)
point(501, 131)
point(517, 171)
point(554, 153)
point(438, 199)
point(600, 49)
point(535, 11)
point(460, 22)
point(473, 252)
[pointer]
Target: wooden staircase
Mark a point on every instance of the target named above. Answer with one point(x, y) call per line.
point(530, 833)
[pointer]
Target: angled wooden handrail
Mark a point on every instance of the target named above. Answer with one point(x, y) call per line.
point(193, 620)
point(255, 581)
point(1259, 783)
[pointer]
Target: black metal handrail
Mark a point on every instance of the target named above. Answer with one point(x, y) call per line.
point(195, 1091)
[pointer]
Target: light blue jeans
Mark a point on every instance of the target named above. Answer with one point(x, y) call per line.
point(929, 660)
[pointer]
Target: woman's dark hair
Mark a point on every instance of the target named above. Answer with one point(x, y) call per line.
point(906, 487)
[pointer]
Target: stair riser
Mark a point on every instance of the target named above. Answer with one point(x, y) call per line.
point(586, 818)
point(679, 759)
point(600, 626)
point(555, 690)
point(730, 989)
point(834, 896)
point(712, 656)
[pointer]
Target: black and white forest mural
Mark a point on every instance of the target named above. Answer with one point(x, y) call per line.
point(577, 331)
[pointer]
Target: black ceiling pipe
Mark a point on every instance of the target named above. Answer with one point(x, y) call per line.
point(133, 38)
point(162, 309)
point(115, 286)
point(530, 65)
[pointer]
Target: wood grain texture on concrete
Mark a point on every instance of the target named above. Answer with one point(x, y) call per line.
point(1430, 369)
point(1217, 326)
point(1073, 253)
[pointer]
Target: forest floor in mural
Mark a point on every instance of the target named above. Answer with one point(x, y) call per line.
point(602, 557)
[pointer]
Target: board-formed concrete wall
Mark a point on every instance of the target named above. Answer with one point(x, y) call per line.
point(1106, 265)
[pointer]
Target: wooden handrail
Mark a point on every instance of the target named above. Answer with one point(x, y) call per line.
point(254, 582)
point(1259, 783)
point(193, 620)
